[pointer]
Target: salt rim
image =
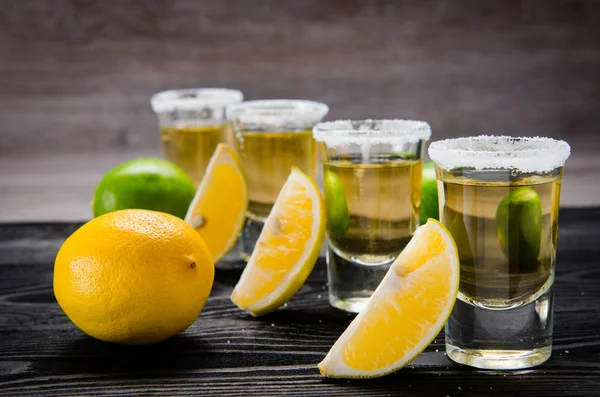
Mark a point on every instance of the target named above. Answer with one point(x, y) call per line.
point(195, 99)
point(399, 131)
point(525, 154)
point(277, 113)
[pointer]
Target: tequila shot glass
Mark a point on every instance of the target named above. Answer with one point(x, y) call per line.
point(499, 198)
point(271, 137)
point(372, 186)
point(192, 123)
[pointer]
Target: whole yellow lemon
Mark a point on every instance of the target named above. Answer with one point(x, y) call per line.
point(133, 276)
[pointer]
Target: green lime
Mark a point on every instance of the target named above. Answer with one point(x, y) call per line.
point(338, 216)
point(145, 183)
point(519, 228)
point(429, 194)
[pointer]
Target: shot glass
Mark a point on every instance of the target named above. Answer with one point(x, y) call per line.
point(499, 199)
point(372, 186)
point(272, 136)
point(192, 123)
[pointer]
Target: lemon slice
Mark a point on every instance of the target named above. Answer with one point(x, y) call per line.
point(406, 311)
point(286, 250)
point(218, 209)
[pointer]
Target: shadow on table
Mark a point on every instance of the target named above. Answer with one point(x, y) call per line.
point(88, 355)
point(455, 380)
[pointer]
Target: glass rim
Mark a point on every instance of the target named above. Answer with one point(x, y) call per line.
point(278, 112)
point(524, 154)
point(372, 131)
point(194, 99)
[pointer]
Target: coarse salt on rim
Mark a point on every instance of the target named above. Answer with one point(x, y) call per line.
point(195, 99)
point(524, 154)
point(277, 113)
point(383, 131)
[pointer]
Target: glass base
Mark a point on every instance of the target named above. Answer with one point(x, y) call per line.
point(249, 236)
point(352, 282)
point(351, 305)
point(515, 337)
point(499, 359)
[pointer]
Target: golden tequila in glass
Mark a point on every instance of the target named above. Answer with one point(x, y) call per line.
point(372, 186)
point(267, 158)
point(382, 202)
point(192, 147)
point(499, 199)
point(506, 233)
point(192, 123)
point(272, 136)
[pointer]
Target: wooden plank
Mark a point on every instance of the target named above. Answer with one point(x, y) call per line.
point(227, 352)
point(77, 75)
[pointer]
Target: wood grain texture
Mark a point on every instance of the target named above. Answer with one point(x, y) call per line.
point(77, 75)
point(227, 352)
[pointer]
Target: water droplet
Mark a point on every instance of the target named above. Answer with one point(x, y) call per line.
point(437, 350)
point(566, 352)
point(459, 388)
point(272, 324)
point(320, 321)
point(582, 293)
point(285, 305)
point(318, 296)
point(228, 341)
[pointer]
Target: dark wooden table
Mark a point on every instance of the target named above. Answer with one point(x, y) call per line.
point(227, 352)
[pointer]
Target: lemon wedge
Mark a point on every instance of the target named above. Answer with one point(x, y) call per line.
point(218, 209)
point(406, 311)
point(286, 250)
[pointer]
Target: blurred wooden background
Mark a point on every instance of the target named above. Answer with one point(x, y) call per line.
point(76, 77)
